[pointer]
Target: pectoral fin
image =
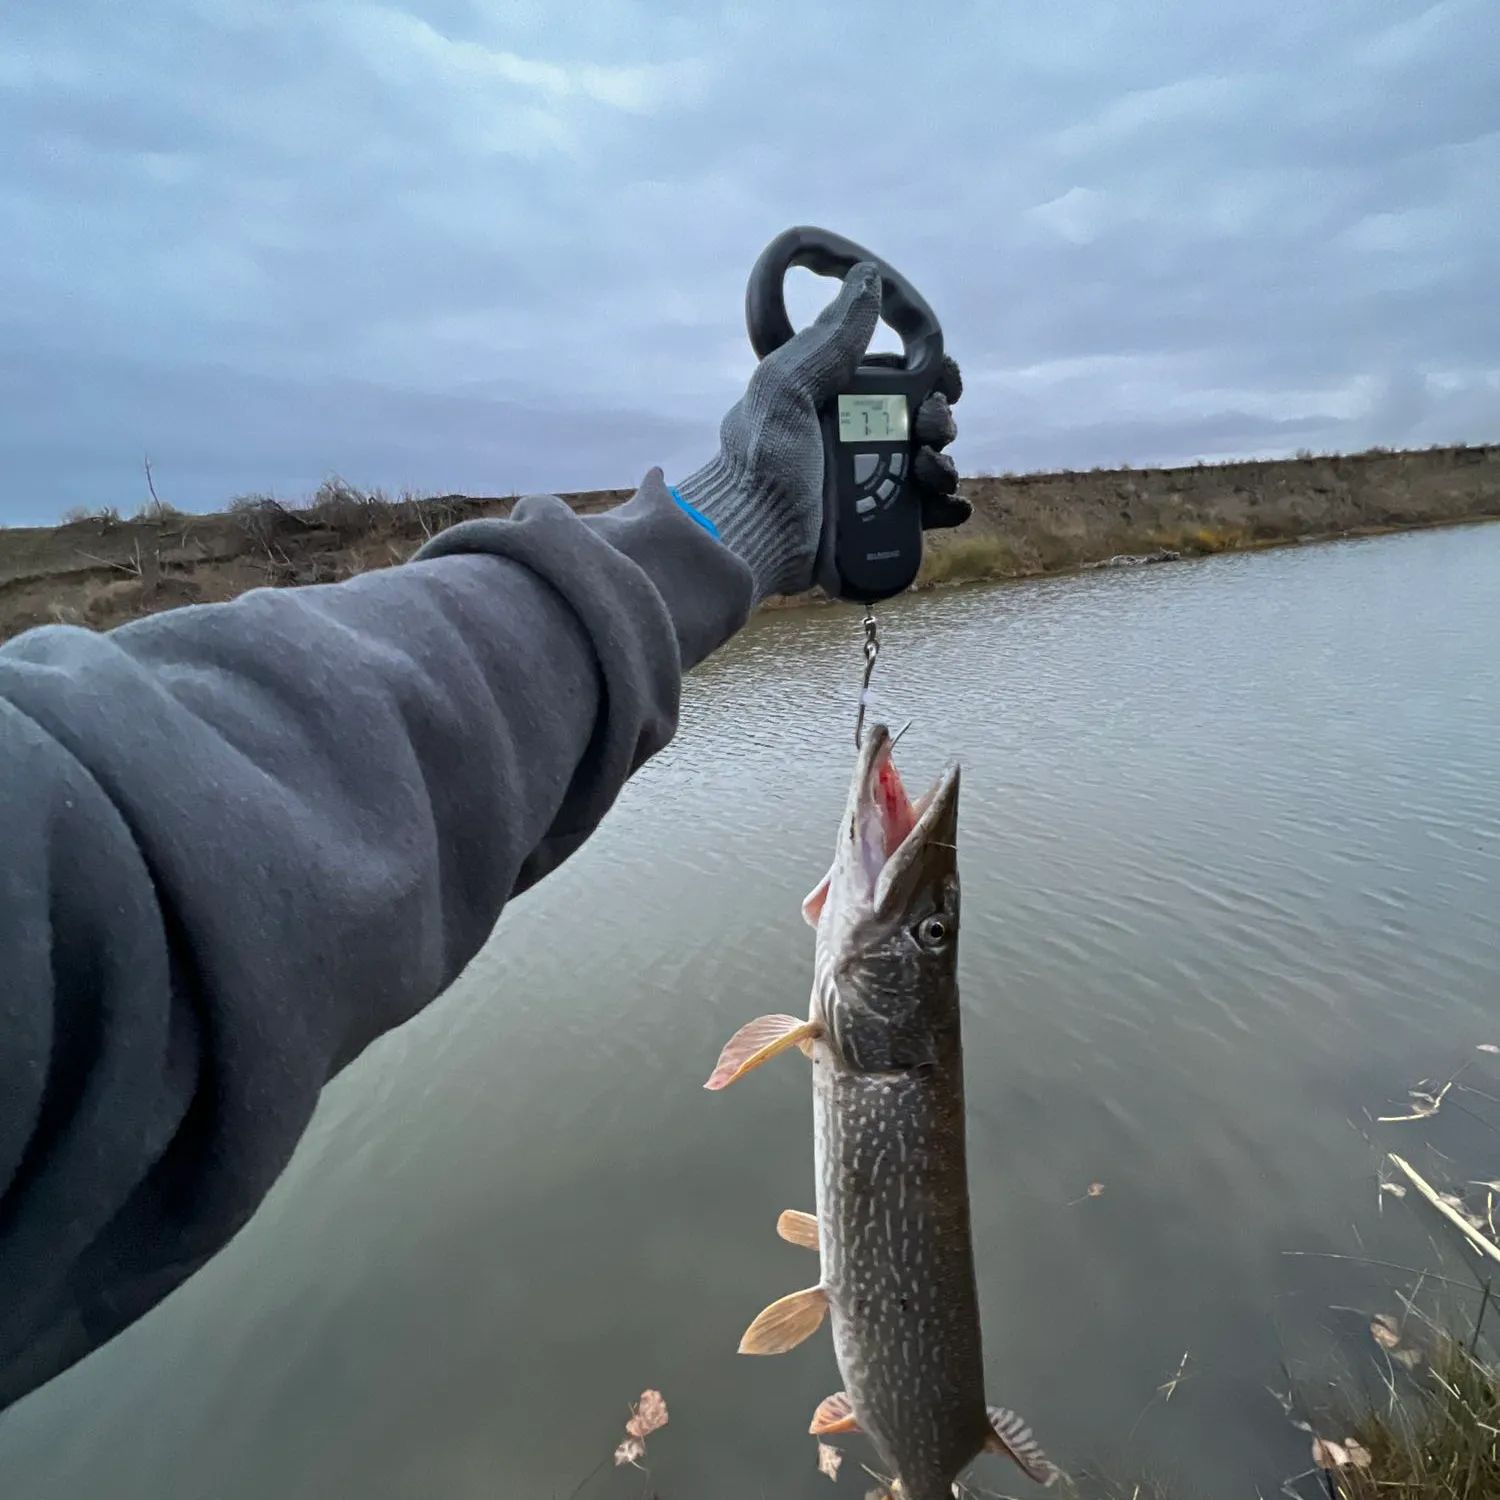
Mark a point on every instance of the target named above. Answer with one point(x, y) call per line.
point(813, 902)
point(1012, 1437)
point(798, 1229)
point(757, 1043)
point(786, 1322)
point(835, 1414)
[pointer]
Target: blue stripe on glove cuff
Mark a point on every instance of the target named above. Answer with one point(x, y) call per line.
point(695, 513)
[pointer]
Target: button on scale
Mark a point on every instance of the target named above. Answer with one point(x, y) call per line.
point(869, 466)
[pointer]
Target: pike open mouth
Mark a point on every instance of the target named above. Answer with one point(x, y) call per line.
point(886, 816)
point(887, 836)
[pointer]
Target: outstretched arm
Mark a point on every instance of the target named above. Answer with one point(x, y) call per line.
point(241, 841)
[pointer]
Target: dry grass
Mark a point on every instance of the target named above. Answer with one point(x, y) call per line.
point(100, 570)
point(107, 515)
point(1440, 1440)
point(159, 511)
point(1430, 1429)
point(1210, 539)
point(982, 555)
point(1427, 1427)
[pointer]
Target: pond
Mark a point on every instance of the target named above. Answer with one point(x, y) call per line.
point(1230, 843)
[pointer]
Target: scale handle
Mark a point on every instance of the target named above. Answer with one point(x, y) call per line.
point(824, 253)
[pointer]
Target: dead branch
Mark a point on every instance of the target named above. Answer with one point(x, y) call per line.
point(130, 569)
point(1480, 1242)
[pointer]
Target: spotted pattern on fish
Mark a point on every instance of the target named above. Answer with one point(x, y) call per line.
point(897, 1263)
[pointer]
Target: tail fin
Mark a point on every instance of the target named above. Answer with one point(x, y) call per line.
point(1012, 1437)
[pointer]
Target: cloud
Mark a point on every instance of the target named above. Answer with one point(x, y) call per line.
point(451, 245)
point(410, 52)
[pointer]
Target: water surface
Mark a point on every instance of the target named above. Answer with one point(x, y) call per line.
point(1230, 838)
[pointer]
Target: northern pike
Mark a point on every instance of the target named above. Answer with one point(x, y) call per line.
point(892, 1226)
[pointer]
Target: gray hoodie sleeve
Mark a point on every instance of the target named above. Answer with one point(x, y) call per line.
point(238, 842)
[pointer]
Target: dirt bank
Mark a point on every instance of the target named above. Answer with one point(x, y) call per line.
point(102, 571)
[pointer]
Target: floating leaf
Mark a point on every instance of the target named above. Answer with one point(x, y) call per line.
point(1096, 1190)
point(1423, 1105)
point(650, 1414)
point(829, 1459)
point(1395, 1189)
point(1346, 1455)
point(1410, 1358)
point(1329, 1455)
point(1385, 1331)
point(1487, 1047)
point(631, 1451)
point(1462, 1209)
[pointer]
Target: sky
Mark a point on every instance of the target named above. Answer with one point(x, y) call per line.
point(502, 247)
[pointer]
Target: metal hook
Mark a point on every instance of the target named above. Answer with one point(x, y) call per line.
point(872, 650)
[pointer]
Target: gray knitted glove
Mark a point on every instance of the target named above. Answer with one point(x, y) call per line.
point(764, 489)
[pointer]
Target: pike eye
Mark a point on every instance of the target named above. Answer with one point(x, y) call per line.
point(932, 932)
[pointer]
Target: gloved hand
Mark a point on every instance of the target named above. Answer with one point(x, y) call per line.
point(764, 489)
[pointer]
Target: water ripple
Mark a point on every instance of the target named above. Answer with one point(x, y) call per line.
point(1230, 838)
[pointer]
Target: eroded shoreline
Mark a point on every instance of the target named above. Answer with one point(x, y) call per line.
point(102, 570)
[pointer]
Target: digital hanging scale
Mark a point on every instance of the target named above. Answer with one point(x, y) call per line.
point(872, 512)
